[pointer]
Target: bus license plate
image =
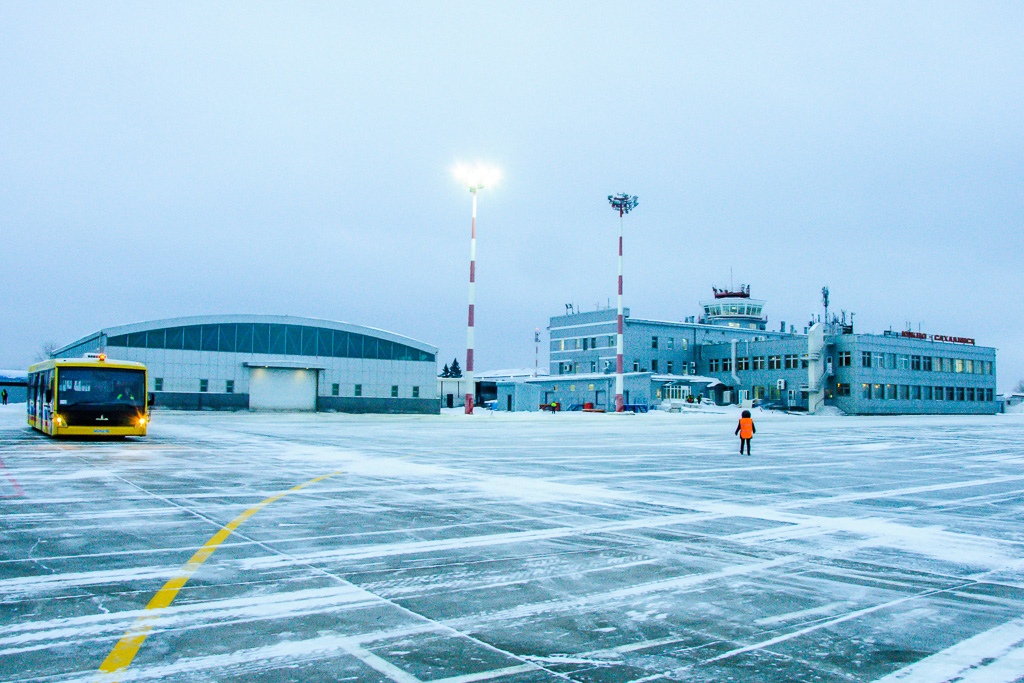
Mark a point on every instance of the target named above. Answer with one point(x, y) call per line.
point(101, 431)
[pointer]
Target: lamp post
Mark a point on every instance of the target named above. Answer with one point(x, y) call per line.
point(536, 350)
point(475, 178)
point(623, 203)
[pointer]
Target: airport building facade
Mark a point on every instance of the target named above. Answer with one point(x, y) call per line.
point(728, 355)
point(259, 362)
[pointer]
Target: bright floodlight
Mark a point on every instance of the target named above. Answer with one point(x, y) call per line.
point(476, 176)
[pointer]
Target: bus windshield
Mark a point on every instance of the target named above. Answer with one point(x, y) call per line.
point(96, 386)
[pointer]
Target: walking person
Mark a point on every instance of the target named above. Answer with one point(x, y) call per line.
point(746, 430)
point(4, 396)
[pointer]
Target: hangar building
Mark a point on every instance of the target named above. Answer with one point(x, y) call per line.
point(265, 362)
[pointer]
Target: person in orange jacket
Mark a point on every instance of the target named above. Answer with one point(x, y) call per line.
point(746, 430)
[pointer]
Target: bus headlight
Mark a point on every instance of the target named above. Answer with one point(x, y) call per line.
point(142, 421)
point(58, 420)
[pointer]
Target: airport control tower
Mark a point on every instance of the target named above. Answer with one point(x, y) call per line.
point(734, 309)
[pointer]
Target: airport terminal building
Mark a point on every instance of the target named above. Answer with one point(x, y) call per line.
point(262, 362)
point(728, 355)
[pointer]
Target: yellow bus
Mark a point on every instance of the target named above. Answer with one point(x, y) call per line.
point(90, 396)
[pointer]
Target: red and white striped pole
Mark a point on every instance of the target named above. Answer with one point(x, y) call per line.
point(475, 178)
point(623, 203)
point(470, 341)
point(619, 402)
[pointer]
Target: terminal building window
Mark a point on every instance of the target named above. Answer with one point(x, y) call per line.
point(774, 362)
point(902, 362)
point(713, 365)
point(358, 390)
point(865, 359)
point(743, 363)
point(654, 342)
point(335, 389)
point(158, 384)
point(842, 389)
point(229, 386)
point(296, 340)
point(759, 362)
point(668, 367)
point(926, 363)
point(727, 365)
point(654, 365)
point(415, 392)
point(791, 361)
point(865, 390)
point(844, 360)
point(204, 385)
point(394, 391)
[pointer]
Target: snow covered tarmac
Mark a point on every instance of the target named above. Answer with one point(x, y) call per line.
point(518, 548)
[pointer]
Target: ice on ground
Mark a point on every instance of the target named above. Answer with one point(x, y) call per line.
point(520, 546)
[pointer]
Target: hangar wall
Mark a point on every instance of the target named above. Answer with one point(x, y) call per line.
point(215, 363)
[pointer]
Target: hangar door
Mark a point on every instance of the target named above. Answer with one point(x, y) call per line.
point(282, 389)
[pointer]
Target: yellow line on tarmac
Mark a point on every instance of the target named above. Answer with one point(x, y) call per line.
point(126, 649)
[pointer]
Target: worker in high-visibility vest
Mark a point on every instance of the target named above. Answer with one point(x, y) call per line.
point(746, 430)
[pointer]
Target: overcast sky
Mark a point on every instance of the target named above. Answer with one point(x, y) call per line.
point(167, 159)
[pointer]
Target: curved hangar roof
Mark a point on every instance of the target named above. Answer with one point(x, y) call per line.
point(278, 335)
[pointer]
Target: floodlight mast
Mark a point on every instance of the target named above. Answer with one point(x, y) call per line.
point(623, 203)
point(470, 331)
point(474, 179)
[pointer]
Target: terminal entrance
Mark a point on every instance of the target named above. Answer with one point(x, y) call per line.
point(282, 389)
